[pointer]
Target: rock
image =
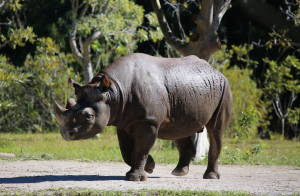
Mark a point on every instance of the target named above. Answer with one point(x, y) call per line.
point(7, 155)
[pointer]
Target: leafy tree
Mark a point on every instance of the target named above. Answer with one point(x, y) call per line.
point(26, 92)
point(105, 27)
point(13, 31)
point(283, 86)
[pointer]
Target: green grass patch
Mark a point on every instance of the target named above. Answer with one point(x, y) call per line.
point(89, 192)
point(105, 148)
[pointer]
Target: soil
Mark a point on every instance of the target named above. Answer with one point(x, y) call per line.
point(39, 175)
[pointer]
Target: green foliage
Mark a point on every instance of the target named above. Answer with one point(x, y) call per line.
point(44, 146)
point(283, 76)
point(14, 32)
point(117, 22)
point(19, 37)
point(152, 31)
point(247, 110)
point(27, 92)
point(283, 81)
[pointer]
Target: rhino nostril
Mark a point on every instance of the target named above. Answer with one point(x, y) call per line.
point(71, 134)
point(76, 129)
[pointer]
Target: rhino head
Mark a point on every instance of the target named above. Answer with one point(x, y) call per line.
point(88, 114)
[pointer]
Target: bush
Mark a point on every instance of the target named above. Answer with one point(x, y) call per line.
point(26, 92)
point(247, 109)
point(248, 112)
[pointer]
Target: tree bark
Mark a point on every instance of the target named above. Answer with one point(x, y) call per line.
point(282, 126)
point(204, 41)
point(87, 71)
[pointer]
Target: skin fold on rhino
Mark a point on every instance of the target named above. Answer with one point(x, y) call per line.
point(149, 97)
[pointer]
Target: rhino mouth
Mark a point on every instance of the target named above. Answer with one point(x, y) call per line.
point(76, 135)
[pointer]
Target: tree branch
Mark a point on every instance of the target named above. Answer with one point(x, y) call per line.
point(207, 12)
point(74, 47)
point(168, 34)
point(4, 44)
point(220, 9)
point(2, 3)
point(204, 40)
point(91, 38)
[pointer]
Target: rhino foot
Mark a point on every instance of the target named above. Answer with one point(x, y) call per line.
point(181, 171)
point(211, 175)
point(150, 165)
point(136, 176)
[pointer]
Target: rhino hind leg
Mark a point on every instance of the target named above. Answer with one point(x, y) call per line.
point(187, 152)
point(126, 148)
point(215, 129)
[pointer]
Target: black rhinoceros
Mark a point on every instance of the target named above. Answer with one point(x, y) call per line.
point(149, 97)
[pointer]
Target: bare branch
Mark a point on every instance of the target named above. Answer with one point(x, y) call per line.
point(84, 10)
point(169, 36)
point(2, 3)
point(5, 23)
point(277, 107)
point(220, 9)
point(92, 38)
point(207, 11)
point(3, 44)
point(74, 47)
point(18, 20)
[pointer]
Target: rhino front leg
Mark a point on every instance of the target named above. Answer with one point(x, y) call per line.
point(126, 147)
point(187, 152)
point(144, 136)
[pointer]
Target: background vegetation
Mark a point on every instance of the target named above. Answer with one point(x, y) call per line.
point(43, 43)
point(48, 146)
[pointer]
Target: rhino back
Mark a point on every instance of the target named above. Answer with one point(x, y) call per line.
point(184, 92)
point(195, 90)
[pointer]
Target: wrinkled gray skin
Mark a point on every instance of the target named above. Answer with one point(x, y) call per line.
point(149, 97)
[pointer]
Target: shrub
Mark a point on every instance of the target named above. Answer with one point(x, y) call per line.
point(247, 109)
point(26, 92)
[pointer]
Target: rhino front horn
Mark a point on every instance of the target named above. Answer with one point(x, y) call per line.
point(59, 112)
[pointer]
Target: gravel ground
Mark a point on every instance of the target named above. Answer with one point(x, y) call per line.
point(38, 175)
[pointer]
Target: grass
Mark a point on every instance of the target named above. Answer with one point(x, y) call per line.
point(88, 192)
point(51, 146)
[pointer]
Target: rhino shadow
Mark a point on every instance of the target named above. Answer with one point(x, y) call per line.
point(53, 178)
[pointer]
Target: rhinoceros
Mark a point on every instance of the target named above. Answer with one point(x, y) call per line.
point(147, 98)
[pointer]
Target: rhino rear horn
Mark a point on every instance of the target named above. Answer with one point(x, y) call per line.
point(59, 112)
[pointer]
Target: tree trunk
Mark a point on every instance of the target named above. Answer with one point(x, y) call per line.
point(204, 41)
point(282, 126)
point(87, 71)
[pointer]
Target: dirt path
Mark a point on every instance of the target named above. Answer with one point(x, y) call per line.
point(37, 175)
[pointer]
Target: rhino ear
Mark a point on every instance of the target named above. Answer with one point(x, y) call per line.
point(106, 82)
point(102, 81)
point(76, 86)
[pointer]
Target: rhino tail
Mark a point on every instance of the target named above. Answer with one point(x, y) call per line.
point(222, 113)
